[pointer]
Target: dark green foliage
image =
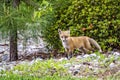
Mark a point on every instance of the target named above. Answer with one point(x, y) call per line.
point(50, 30)
point(99, 19)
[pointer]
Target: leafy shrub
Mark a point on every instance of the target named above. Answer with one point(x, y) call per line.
point(99, 19)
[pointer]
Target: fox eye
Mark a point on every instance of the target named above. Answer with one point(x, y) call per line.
point(61, 36)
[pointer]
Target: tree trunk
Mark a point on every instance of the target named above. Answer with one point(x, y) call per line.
point(16, 3)
point(13, 45)
point(13, 37)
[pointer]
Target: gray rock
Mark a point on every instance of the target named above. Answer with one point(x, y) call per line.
point(76, 72)
point(96, 70)
point(112, 65)
point(79, 57)
point(8, 67)
point(2, 69)
point(67, 65)
point(35, 60)
point(106, 60)
point(93, 55)
point(71, 69)
point(5, 57)
point(77, 66)
point(95, 63)
point(86, 56)
point(61, 59)
point(23, 62)
point(116, 53)
point(91, 67)
point(16, 72)
point(98, 57)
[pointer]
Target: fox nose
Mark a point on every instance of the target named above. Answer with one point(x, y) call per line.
point(64, 40)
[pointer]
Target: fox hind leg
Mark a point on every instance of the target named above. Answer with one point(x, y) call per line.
point(84, 50)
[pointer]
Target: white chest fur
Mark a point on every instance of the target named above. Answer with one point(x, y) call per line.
point(65, 45)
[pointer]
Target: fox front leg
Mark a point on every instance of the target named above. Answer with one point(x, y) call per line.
point(68, 55)
point(68, 52)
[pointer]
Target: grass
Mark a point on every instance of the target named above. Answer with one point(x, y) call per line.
point(47, 77)
point(54, 70)
point(114, 77)
point(55, 77)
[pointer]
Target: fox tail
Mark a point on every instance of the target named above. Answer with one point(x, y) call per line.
point(94, 43)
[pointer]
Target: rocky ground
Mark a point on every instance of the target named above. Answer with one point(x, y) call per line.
point(86, 65)
point(95, 64)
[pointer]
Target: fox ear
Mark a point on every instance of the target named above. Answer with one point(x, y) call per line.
point(59, 31)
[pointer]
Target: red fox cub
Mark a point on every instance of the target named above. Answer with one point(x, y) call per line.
point(83, 43)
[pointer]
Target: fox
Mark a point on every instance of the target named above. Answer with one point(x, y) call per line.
point(83, 43)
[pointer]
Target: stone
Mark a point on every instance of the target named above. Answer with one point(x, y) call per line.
point(61, 59)
point(86, 56)
point(67, 65)
point(2, 69)
point(71, 68)
point(5, 57)
point(90, 67)
point(16, 72)
point(116, 53)
point(79, 57)
point(76, 72)
point(112, 65)
point(93, 55)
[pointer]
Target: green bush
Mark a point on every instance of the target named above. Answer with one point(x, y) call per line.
point(99, 19)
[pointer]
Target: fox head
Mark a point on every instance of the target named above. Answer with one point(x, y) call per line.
point(64, 35)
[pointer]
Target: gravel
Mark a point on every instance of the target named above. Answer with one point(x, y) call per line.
point(80, 66)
